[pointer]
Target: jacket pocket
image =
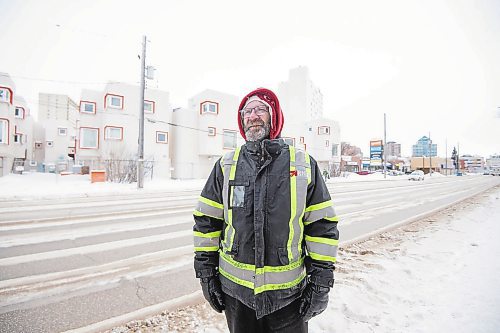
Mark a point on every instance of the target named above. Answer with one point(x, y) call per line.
point(237, 190)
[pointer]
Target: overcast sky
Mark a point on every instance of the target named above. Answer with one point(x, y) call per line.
point(432, 66)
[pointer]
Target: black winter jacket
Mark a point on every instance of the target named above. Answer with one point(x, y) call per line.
point(252, 242)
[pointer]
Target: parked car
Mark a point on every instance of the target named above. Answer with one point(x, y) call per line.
point(363, 172)
point(416, 175)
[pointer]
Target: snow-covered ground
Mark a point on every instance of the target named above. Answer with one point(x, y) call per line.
point(38, 185)
point(441, 274)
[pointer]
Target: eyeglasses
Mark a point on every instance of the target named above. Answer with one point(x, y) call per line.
point(259, 111)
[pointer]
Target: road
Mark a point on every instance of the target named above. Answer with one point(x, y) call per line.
point(69, 263)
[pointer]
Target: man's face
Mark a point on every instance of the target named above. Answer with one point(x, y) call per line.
point(256, 127)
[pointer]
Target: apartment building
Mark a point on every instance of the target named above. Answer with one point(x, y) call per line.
point(16, 129)
point(203, 132)
point(108, 127)
point(55, 132)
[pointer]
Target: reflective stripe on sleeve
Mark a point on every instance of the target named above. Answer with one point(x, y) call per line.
point(323, 210)
point(209, 208)
point(206, 242)
point(321, 248)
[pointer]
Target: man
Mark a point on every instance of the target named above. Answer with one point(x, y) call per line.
point(265, 231)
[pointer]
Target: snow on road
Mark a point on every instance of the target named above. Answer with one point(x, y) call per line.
point(440, 274)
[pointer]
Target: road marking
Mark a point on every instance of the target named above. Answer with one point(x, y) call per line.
point(91, 248)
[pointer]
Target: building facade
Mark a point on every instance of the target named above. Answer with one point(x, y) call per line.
point(16, 129)
point(424, 147)
point(203, 132)
point(55, 132)
point(107, 127)
point(393, 150)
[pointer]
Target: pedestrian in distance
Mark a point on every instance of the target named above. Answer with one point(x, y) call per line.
point(265, 233)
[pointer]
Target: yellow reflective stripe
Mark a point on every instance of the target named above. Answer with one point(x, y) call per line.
point(232, 175)
point(207, 249)
point(293, 203)
point(235, 263)
point(211, 202)
point(308, 168)
point(235, 279)
point(277, 269)
point(198, 213)
point(322, 240)
point(208, 234)
point(319, 206)
point(322, 257)
point(287, 285)
point(332, 219)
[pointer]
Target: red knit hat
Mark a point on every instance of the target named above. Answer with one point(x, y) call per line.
point(269, 98)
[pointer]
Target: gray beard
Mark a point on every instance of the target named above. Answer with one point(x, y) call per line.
point(256, 134)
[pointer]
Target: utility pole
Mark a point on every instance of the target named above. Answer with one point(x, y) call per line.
point(140, 157)
point(446, 154)
point(430, 155)
point(385, 150)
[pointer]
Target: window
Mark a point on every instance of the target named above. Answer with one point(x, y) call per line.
point(212, 131)
point(113, 133)
point(161, 137)
point(5, 95)
point(4, 131)
point(87, 107)
point(335, 150)
point(89, 138)
point(327, 143)
point(62, 131)
point(149, 107)
point(209, 107)
point(289, 141)
point(229, 141)
point(50, 143)
point(322, 130)
point(19, 112)
point(301, 139)
point(38, 145)
point(113, 101)
point(18, 138)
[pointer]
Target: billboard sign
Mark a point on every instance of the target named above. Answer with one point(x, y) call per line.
point(376, 151)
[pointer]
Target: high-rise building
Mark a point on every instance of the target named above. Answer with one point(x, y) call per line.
point(393, 149)
point(424, 147)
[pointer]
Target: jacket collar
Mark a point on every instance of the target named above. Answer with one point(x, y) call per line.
point(271, 146)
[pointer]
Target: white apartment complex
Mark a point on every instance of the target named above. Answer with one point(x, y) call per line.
point(16, 128)
point(203, 132)
point(55, 132)
point(108, 126)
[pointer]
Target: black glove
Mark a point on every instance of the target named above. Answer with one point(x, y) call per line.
point(314, 298)
point(212, 292)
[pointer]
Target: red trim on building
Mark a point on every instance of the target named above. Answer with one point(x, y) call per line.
point(8, 130)
point(11, 94)
point(88, 102)
point(166, 136)
point(215, 131)
point(80, 140)
point(111, 126)
point(114, 107)
point(153, 108)
point(216, 111)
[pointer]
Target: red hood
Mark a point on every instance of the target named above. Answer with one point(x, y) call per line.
point(277, 115)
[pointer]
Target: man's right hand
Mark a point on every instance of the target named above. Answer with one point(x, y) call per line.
point(212, 292)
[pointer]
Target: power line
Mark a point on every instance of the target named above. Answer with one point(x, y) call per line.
point(61, 81)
